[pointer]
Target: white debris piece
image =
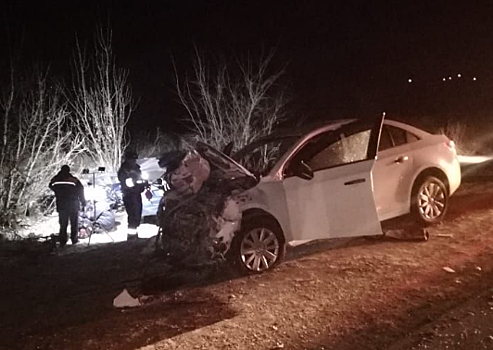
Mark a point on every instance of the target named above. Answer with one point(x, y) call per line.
point(231, 210)
point(228, 223)
point(124, 299)
point(448, 269)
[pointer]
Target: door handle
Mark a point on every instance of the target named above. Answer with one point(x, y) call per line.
point(354, 182)
point(401, 159)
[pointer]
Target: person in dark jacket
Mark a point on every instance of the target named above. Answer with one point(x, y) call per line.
point(69, 194)
point(132, 184)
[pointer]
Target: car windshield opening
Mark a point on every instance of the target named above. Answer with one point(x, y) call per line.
point(261, 156)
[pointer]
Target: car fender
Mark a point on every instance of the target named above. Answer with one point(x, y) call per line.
point(268, 197)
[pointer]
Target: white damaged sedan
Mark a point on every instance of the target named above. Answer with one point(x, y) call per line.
point(339, 179)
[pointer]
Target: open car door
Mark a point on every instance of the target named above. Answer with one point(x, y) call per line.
point(328, 183)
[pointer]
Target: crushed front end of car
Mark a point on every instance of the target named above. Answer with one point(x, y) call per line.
point(200, 214)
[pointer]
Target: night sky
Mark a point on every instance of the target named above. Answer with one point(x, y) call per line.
point(344, 58)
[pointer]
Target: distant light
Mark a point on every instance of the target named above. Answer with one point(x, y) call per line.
point(409, 80)
point(449, 78)
point(459, 75)
point(444, 79)
point(474, 79)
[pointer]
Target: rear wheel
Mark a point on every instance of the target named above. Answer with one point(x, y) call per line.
point(259, 246)
point(429, 200)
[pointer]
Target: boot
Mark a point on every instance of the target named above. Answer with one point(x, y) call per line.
point(132, 234)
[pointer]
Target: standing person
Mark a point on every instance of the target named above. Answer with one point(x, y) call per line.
point(130, 178)
point(69, 192)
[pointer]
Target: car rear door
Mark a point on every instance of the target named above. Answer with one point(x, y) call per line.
point(338, 201)
point(393, 173)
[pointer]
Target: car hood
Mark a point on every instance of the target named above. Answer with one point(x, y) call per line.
point(229, 167)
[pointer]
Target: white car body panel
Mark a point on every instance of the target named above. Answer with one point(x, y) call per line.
point(270, 197)
point(324, 207)
point(392, 174)
point(447, 161)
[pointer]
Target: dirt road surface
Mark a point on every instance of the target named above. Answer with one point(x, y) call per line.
point(347, 294)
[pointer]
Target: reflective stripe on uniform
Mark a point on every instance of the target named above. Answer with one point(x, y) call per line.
point(63, 183)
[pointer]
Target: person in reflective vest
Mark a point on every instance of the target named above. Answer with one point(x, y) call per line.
point(69, 193)
point(132, 184)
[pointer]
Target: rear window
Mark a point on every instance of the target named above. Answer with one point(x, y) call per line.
point(392, 137)
point(398, 135)
point(411, 137)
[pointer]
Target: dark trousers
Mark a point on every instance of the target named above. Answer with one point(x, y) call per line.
point(70, 212)
point(133, 205)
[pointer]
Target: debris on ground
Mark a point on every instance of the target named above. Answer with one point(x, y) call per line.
point(124, 299)
point(445, 235)
point(405, 228)
point(411, 234)
point(448, 269)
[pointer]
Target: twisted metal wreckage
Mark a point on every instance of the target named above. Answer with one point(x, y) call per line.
point(200, 214)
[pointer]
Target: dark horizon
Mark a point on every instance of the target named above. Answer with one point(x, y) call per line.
point(342, 58)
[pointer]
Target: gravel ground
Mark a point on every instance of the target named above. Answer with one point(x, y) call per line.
point(343, 294)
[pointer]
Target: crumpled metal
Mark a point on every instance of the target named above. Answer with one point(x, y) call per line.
point(190, 174)
point(201, 214)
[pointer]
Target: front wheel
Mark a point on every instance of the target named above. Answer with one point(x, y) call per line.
point(429, 200)
point(259, 246)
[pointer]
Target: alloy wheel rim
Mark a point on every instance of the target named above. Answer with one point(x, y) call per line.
point(431, 200)
point(259, 249)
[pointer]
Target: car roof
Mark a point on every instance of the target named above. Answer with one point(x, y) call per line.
point(300, 130)
point(295, 132)
point(412, 129)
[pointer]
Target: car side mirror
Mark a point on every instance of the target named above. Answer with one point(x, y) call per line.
point(303, 171)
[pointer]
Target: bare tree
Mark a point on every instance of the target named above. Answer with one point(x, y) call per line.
point(101, 100)
point(235, 104)
point(154, 143)
point(35, 140)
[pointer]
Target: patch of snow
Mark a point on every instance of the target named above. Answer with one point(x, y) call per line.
point(41, 227)
point(49, 225)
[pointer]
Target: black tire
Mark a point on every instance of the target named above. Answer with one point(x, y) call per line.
point(272, 250)
point(429, 200)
